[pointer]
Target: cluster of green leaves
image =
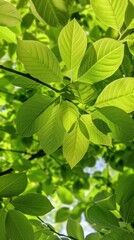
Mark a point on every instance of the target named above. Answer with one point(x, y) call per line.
point(78, 94)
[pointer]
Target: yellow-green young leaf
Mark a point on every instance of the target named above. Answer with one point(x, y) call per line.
point(32, 204)
point(95, 135)
point(69, 114)
point(119, 122)
point(9, 16)
point(3, 214)
point(39, 61)
point(119, 93)
point(29, 114)
point(12, 184)
point(18, 227)
point(7, 35)
point(110, 12)
point(52, 132)
point(101, 60)
point(72, 44)
point(75, 145)
point(65, 195)
point(74, 229)
point(52, 12)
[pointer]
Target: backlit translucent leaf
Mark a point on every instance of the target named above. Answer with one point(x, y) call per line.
point(12, 184)
point(72, 44)
point(39, 61)
point(53, 12)
point(29, 112)
point(102, 217)
point(62, 214)
point(95, 135)
point(52, 132)
point(119, 122)
point(65, 195)
point(101, 60)
point(7, 35)
point(69, 114)
point(18, 227)
point(74, 229)
point(9, 16)
point(110, 12)
point(75, 145)
point(119, 93)
point(32, 204)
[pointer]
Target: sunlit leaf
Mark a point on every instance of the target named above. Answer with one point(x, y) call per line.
point(24, 82)
point(111, 13)
point(69, 114)
point(32, 204)
point(7, 35)
point(95, 135)
point(9, 16)
point(72, 44)
point(119, 93)
point(30, 112)
point(18, 226)
point(101, 60)
point(39, 61)
point(75, 145)
point(12, 184)
point(52, 132)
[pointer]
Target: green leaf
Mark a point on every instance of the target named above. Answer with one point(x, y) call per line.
point(101, 60)
point(69, 114)
point(130, 43)
point(72, 44)
point(125, 190)
point(74, 229)
point(24, 82)
point(9, 16)
point(93, 236)
point(7, 35)
point(3, 214)
point(108, 203)
point(102, 217)
point(54, 237)
point(95, 135)
point(118, 234)
point(39, 61)
point(32, 204)
point(29, 114)
point(52, 132)
point(119, 93)
point(12, 184)
point(83, 92)
point(119, 122)
point(62, 214)
point(129, 15)
point(110, 13)
point(18, 226)
point(65, 195)
point(75, 145)
point(127, 210)
point(55, 13)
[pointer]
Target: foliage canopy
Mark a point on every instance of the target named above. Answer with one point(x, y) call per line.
point(67, 128)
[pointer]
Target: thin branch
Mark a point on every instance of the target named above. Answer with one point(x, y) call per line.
point(30, 77)
point(13, 150)
point(52, 230)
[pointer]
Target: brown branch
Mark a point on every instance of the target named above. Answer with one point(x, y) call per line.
point(27, 75)
point(52, 230)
